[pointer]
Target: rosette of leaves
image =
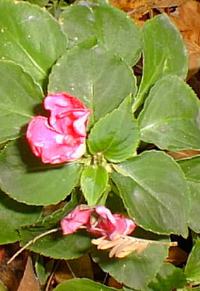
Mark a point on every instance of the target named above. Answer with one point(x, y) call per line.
point(90, 52)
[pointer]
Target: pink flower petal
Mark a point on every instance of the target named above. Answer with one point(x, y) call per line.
point(110, 225)
point(61, 137)
point(123, 226)
point(52, 146)
point(61, 102)
point(75, 219)
point(98, 221)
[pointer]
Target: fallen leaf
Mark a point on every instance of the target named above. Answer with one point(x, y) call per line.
point(176, 256)
point(138, 8)
point(29, 280)
point(184, 154)
point(10, 275)
point(187, 19)
point(113, 283)
point(81, 267)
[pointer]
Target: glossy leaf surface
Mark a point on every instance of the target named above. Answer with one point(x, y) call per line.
point(18, 100)
point(31, 37)
point(115, 136)
point(99, 78)
point(26, 179)
point(109, 26)
point(170, 118)
point(155, 192)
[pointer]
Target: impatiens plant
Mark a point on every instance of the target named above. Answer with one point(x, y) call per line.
point(80, 131)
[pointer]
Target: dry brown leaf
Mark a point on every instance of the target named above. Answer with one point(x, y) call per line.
point(11, 274)
point(177, 256)
point(114, 284)
point(184, 154)
point(29, 280)
point(81, 267)
point(187, 20)
point(138, 8)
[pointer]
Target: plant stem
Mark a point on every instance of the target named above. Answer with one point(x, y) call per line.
point(32, 242)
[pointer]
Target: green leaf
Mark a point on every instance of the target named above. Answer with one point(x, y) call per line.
point(30, 37)
point(168, 278)
point(191, 168)
point(26, 179)
point(97, 77)
point(116, 135)
point(51, 220)
point(42, 269)
point(78, 23)
point(94, 181)
point(14, 215)
point(136, 270)
point(18, 99)
point(170, 118)
point(56, 245)
point(82, 284)
point(164, 53)
point(192, 269)
point(155, 192)
point(110, 26)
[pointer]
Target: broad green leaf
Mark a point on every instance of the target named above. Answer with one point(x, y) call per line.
point(116, 135)
point(99, 78)
point(14, 215)
point(78, 23)
point(164, 53)
point(51, 220)
point(26, 179)
point(136, 270)
point(110, 26)
point(94, 181)
point(155, 192)
point(191, 168)
point(18, 98)
point(56, 245)
point(82, 284)
point(170, 118)
point(30, 37)
point(168, 278)
point(192, 269)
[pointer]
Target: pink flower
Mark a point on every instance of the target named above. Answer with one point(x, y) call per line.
point(76, 219)
point(110, 225)
point(98, 221)
point(61, 137)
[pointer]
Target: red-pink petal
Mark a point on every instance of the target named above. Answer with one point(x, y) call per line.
point(52, 146)
point(110, 225)
point(59, 103)
point(75, 219)
point(64, 106)
point(123, 226)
